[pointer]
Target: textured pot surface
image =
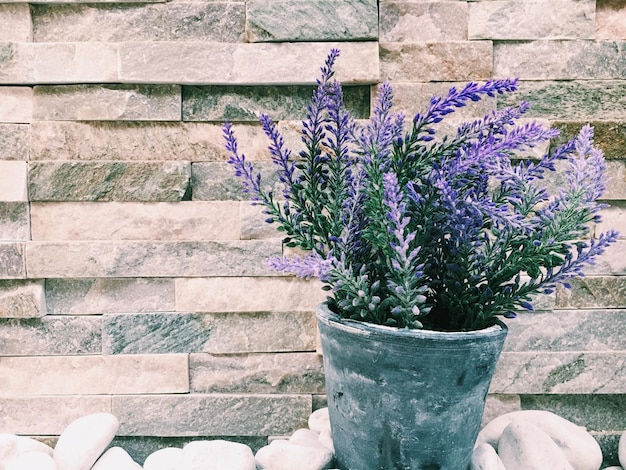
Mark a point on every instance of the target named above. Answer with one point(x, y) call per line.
point(405, 399)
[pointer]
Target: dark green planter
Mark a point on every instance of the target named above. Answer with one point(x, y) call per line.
point(405, 399)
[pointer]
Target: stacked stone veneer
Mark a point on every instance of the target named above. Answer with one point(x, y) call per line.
point(133, 275)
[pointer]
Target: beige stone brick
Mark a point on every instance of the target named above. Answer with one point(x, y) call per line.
point(189, 220)
point(15, 23)
point(436, 61)
point(610, 19)
point(13, 178)
point(576, 372)
point(224, 294)
point(211, 414)
point(69, 259)
point(94, 375)
point(133, 140)
point(16, 103)
point(46, 416)
point(257, 373)
point(498, 404)
point(244, 64)
point(402, 21)
point(537, 19)
point(102, 103)
point(22, 299)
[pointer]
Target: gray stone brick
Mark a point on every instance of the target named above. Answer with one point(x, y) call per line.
point(425, 21)
point(578, 372)
point(102, 103)
point(94, 375)
point(499, 404)
point(209, 64)
point(216, 181)
point(543, 19)
point(108, 181)
point(235, 103)
point(436, 61)
point(22, 299)
point(15, 22)
point(98, 296)
point(567, 330)
point(248, 294)
point(12, 264)
point(587, 100)
point(593, 292)
point(50, 335)
point(14, 141)
point(47, 416)
point(257, 373)
point(608, 136)
point(218, 220)
point(14, 221)
point(67, 259)
point(318, 20)
point(560, 60)
point(16, 103)
point(214, 414)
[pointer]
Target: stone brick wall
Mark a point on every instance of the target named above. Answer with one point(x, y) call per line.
point(132, 273)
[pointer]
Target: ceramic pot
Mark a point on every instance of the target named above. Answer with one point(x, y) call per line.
point(404, 399)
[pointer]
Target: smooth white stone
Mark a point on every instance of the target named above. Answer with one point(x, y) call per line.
point(31, 461)
point(582, 451)
point(287, 455)
point(116, 458)
point(83, 441)
point(12, 445)
point(485, 457)
point(168, 458)
point(621, 450)
point(523, 446)
point(319, 420)
point(326, 440)
point(615, 467)
point(304, 435)
point(217, 455)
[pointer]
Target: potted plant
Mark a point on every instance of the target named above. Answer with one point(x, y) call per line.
point(423, 240)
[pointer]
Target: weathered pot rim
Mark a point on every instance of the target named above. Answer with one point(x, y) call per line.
point(326, 316)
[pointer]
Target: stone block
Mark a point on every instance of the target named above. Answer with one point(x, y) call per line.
point(22, 299)
point(253, 223)
point(593, 292)
point(220, 333)
point(50, 335)
point(15, 22)
point(318, 20)
point(245, 294)
point(616, 182)
point(436, 61)
point(107, 103)
point(129, 140)
point(567, 330)
point(211, 414)
point(610, 19)
point(497, 405)
point(610, 137)
point(108, 181)
point(257, 373)
point(244, 64)
point(575, 372)
point(97, 296)
point(215, 220)
point(16, 103)
point(205, 22)
point(149, 259)
point(94, 375)
point(14, 221)
point(13, 177)
point(247, 103)
point(425, 21)
point(560, 60)
point(613, 217)
point(12, 260)
point(48, 416)
point(560, 100)
point(524, 20)
point(14, 141)
point(216, 181)
point(595, 412)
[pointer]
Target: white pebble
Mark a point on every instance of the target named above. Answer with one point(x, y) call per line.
point(217, 455)
point(319, 420)
point(485, 457)
point(621, 450)
point(168, 458)
point(287, 455)
point(116, 458)
point(31, 461)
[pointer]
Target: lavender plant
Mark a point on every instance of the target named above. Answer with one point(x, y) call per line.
point(408, 228)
